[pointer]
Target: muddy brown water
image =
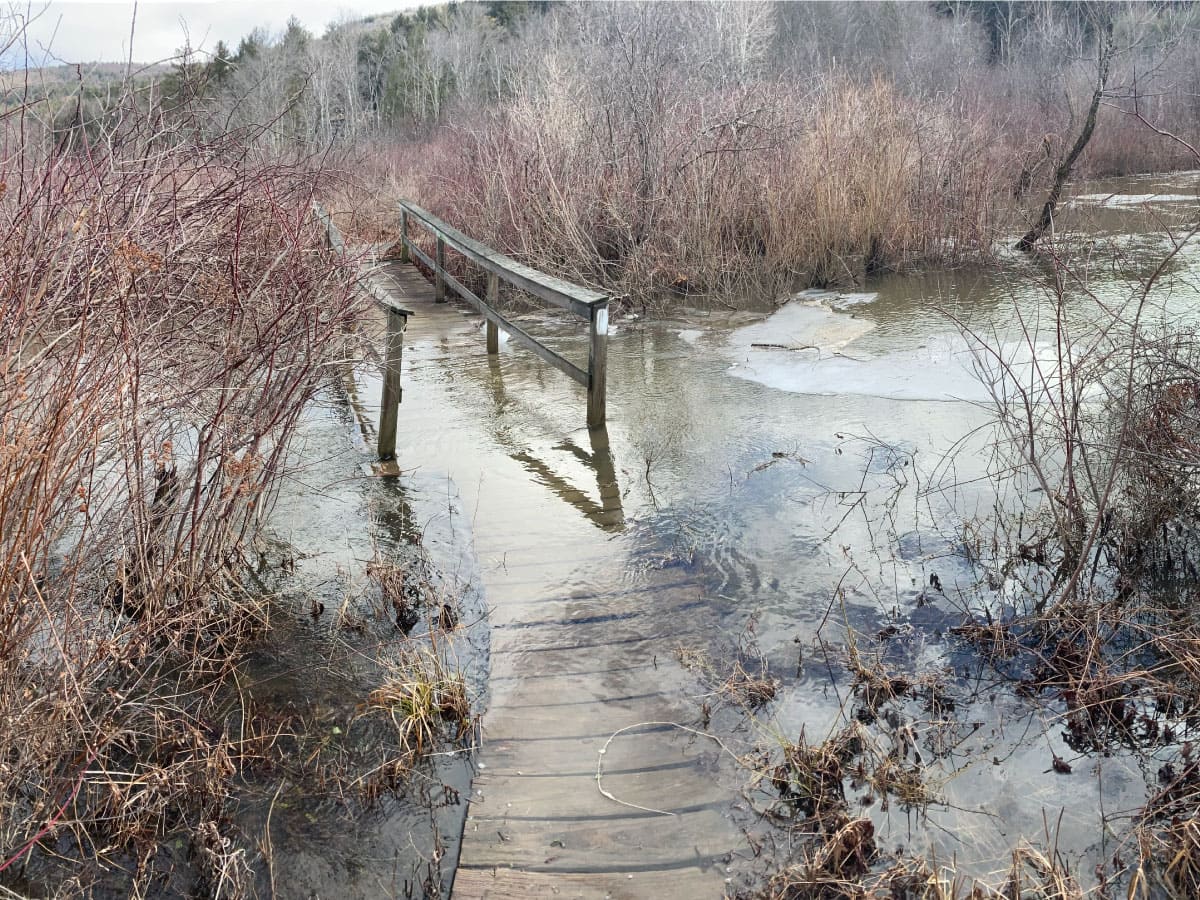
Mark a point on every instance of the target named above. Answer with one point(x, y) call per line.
point(771, 482)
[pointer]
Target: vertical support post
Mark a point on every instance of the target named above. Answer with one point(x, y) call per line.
point(493, 298)
point(404, 257)
point(389, 406)
point(597, 366)
point(439, 272)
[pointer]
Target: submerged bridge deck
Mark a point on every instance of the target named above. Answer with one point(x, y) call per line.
point(587, 786)
point(567, 675)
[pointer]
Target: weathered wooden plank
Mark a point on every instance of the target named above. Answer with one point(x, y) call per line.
point(673, 789)
point(638, 748)
point(639, 743)
point(562, 293)
point(646, 667)
point(572, 643)
point(382, 296)
point(514, 884)
point(647, 842)
point(587, 721)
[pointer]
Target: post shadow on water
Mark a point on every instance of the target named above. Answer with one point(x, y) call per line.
point(607, 514)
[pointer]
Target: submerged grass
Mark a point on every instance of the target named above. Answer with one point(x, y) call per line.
point(418, 696)
point(885, 753)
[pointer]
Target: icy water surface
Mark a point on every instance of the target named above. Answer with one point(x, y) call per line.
point(785, 484)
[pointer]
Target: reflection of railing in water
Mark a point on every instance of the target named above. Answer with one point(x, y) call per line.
point(608, 513)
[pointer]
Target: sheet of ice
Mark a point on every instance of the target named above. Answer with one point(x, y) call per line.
point(855, 298)
point(1134, 199)
point(944, 367)
point(802, 325)
point(691, 335)
point(837, 299)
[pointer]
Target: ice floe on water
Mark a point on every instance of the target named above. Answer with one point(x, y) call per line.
point(837, 299)
point(802, 324)
point(1134, 199)
point(807, 348)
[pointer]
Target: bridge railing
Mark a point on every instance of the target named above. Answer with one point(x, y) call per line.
point(589, 305)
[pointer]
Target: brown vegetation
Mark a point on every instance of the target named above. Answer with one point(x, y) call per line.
point(722, 152)
point(719, 148)
point(169, 312)
point(751, 192)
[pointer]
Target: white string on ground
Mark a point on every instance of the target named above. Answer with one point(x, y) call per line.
point(619, 731)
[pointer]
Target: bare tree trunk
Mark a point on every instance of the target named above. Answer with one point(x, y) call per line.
point(1063, 172)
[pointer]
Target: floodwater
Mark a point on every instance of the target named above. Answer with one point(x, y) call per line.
point(324, 817)
point(771, 485)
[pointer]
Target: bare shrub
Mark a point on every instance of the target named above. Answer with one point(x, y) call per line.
point(1088, 562)
point(751, 189)
point(168, 314)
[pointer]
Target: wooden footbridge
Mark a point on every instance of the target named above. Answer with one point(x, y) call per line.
point(589, 305)
point(586, 786)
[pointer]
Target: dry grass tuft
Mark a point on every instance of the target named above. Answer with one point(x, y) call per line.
point(1169, 860)
point(840, 869)
point(422, 698)
point(833, 870)
point(744, 680)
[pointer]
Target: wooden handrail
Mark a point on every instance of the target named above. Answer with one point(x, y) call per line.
point(579, 300)
point(589, 305)
point(592, 306)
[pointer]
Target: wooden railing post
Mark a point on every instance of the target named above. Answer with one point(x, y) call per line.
point(597, 365)
point(439, 271)
point(389, 411)
point(404, 257)
point(493, 297)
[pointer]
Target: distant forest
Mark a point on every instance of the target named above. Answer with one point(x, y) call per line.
point(387, 75)
point(641, 145)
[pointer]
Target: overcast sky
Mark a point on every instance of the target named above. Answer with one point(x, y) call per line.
point(98, 30)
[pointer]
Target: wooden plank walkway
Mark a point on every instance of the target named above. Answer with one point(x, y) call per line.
point(567, 674)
